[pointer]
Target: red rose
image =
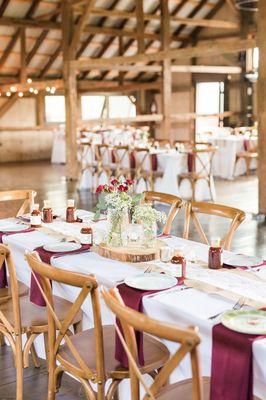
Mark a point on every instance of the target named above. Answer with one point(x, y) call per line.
point(111, 188)
point(129, 182)
point(100, 188)
point(114, 182)
point(122, 188)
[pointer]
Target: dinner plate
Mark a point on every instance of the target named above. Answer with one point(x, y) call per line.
point(245, 321)
point(240, 260)
point(13, 228)
point(151, 281)
point(62, 247)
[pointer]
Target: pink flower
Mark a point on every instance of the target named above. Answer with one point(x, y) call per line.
point(114, 182)
point(111, 188)
point(100, 188)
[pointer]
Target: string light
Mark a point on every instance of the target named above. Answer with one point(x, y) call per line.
point(29, 80)
point(36, 91)
point(8, 94)
point(31, 90)
point(53, 89)
point(20, 94)
point(47, 89)
point(13, 89)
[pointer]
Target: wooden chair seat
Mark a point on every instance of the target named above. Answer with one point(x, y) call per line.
point(5, 293)
point(247, 154)
point(155, 353)
point(183, 390)
point(33, 317)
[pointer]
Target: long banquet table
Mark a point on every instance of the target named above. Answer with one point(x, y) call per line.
point(182, 307)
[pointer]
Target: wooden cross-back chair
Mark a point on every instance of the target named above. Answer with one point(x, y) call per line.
point(26, 196)
point(175, 203)
point(19, 316)
point(122, 161)
point(103, 158)
point(144, 167)
point(87, 159)
point(188, 339)
point(89, 355)
point(201, 167)
point(249, 153)
point(193, 208)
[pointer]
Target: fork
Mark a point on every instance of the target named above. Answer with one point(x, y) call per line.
point(237, 306)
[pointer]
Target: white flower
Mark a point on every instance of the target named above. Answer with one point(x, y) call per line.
point(148, 215)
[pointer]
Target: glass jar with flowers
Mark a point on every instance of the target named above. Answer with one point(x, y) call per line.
point(148, 216)
point(116, 199)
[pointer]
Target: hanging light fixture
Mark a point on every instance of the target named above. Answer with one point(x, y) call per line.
point(247, 5)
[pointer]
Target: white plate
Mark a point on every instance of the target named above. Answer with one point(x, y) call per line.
point(242, 261)
point(151, 281)
point(62, 247)
point(13, 228)
point(249, 321)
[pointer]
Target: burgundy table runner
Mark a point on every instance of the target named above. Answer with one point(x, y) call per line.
point(3, 274)
point(35, 294)
point(133, 299)
point(232, 364)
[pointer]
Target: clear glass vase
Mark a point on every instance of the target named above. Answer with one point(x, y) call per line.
point(117, 224)
point(150, 234)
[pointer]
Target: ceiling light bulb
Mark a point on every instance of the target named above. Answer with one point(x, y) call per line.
point(29, 80)
point(36, 91)
point(8, 94)
point(47, 89)
point(20, 94)
point(31, 90)
point(13, 89)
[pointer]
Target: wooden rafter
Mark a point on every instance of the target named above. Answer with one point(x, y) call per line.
point(7, 105)
point(23, 69)
point(3, 7)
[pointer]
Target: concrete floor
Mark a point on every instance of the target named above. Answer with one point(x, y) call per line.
point(49, 182)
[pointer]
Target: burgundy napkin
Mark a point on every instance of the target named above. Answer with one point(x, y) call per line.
point(163, 236)
point(3, 275)
point(35, 294)
point(154, 162)
point(191, 162)
point(232, 369)
point(133, 299)
point(132, 161)
point(246, 144)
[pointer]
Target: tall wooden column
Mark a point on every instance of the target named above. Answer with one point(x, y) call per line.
point(70, 85)
point(166, 73)
point(23, 70)
point(262, 106)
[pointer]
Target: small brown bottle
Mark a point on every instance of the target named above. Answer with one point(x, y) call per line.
point(47, 212)
point(180, 264)
point(71, 212)
point(215, 255)
point(35, 217)
point(86, 236)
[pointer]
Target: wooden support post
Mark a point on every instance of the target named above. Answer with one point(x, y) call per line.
point(40, 108)
point(121, 74)
point(166, 73)
point(70, 93)
point(262, 106)
point(140, 26)
point(23, 70)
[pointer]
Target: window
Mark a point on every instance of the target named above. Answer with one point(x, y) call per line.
point(55, 109)
point(255, 58)
point(121, 107)
point(209, 100)
point(92, 107)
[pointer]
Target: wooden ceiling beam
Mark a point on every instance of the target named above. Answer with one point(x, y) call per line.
point(211, 48)
point(3, 7)
point(7, 105)
point(80, 26)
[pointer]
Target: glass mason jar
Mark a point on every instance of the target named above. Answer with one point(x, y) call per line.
point(150, 234)
point(117, 224)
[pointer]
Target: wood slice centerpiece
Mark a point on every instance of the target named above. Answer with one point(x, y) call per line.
point(130, 254)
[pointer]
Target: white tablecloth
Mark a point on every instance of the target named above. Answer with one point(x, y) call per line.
point(178, 307)
point(59, 148)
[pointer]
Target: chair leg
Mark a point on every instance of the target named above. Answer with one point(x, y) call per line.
point(234, 172)
point(19, 368)
point(2, 340)
point(193, 186)
point(247, 160)
point(78, 327)
point(34, 355)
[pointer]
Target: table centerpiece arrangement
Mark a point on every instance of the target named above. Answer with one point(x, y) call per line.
point(124, 208)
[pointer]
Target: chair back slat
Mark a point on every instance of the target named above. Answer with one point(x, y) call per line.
point(133, 320)
point(88, 287)
point(175, 202)
point(194, 208)
point(15, 195)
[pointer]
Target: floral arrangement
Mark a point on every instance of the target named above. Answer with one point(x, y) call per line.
point(147, 215)
point(117, 195)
